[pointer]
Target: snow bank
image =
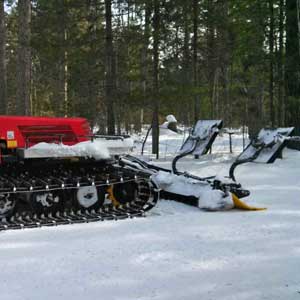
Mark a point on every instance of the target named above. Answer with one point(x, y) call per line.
point(169, 142)
point(208, 199)
point(117, 143)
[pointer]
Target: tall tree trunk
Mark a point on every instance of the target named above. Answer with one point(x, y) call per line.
point(281, 107)
point(271, 49)
point(64, 68)
point(61, 104)
point(24, 58)
point(155, 125)
point(3, 100)
point(144, 57)
point(292, 68)
point(186, 76)
point(195, 61)
point(211, 65)
point(110, 69)
point(66, 72)
point(298, 22)
point(224, 54)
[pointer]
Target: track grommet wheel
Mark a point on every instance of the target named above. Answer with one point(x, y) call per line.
point(122, 193)
point(46, 202)
point(7, 205)
point(90, 197)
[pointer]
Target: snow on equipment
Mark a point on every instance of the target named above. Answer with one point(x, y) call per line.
point(170, 123)
point(202, 137)
point(54, 171)
point(211, 193)
point(265, 148)
point(294, 143)
point(208, 193)
point(200, 140)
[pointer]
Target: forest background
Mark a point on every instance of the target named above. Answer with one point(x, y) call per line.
point(125, 63)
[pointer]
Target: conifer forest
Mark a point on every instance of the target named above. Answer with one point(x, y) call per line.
point(125, 63)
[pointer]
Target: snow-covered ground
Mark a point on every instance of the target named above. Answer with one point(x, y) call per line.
point(176, 252)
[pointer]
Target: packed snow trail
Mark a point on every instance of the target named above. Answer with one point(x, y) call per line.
point(177, 252)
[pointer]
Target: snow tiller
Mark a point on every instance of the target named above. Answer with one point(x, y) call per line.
point(54, 171)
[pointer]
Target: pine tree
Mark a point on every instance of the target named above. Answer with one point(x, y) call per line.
point(110, 69)
point(24, 58)
point(3, 99)
point(197, 106)
point(292, 64)
point(155, 93)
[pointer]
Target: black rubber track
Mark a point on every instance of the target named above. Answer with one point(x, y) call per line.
point(23, 181)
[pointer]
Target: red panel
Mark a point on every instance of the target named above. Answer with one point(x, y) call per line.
point(32, 130)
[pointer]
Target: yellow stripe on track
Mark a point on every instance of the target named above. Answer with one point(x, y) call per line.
point(111, 196)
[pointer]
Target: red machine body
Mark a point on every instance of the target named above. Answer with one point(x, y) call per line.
point(47, 185)
point(23, 132)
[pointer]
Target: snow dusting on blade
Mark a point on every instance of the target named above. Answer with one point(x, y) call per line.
point(272, 141)
point(203, 134)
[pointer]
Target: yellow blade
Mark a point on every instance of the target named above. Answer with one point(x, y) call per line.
point(242, 205)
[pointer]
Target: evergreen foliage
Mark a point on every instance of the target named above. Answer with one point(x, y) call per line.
point(235, 60)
